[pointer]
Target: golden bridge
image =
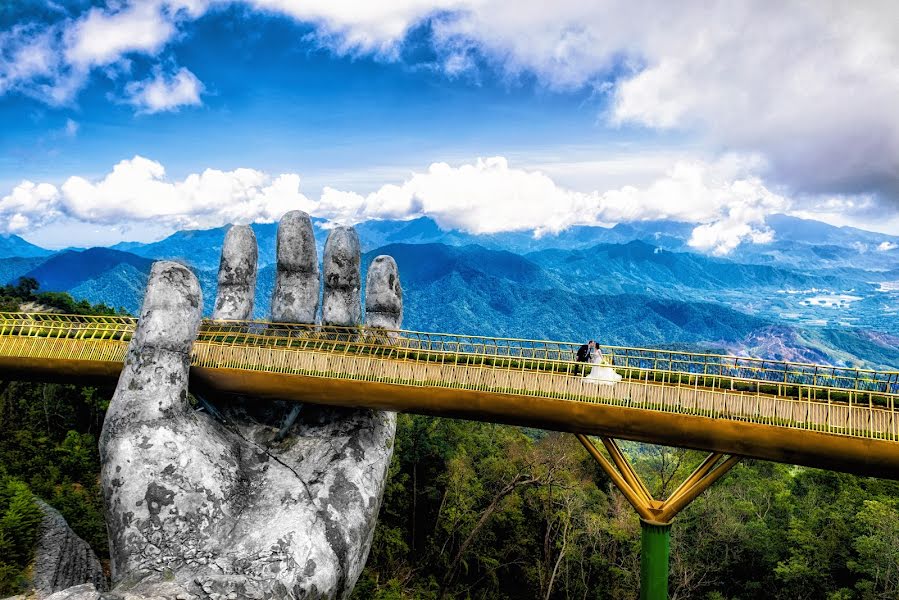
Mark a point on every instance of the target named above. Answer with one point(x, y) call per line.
point(837, 418)
point(822, 416)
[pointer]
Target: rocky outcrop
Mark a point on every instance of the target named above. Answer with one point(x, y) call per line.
point(61, 558)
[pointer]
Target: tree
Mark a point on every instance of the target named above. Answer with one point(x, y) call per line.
point(19, 521)
point(877, 548)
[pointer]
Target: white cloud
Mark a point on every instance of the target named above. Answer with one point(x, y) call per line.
point(728, 204)
point(53, 61)
point(887, 246)
point(162, 92)
point(810, 86)
point(101, 36)
point(350, 25)
point(137, 191)
point(484, 197)
point(29, 60)
point(29, 205)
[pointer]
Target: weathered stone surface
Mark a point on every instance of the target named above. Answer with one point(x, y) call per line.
point(341, 304)
point(61, 558)
point(237, 275)
point(297, 287)
point(383, 294)
point(86, 591)
point(244, 505)
point(149, 435)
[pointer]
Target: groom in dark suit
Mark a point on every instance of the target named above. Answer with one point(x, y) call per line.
point(584, 355)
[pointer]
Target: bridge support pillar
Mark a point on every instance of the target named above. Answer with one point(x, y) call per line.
point(655, 544)
point(656, 516)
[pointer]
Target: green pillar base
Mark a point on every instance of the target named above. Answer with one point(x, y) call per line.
point(655, 542)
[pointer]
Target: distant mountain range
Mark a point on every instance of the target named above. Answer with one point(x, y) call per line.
point(816, 293)
point(14, 246)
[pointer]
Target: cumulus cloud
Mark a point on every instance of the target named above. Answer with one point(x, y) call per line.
point(29, 205)
point(887, 246)
point(163, 92)
point(810, 86)
point(349, 25)
point(102, 36)
point(727, 203)
point(137, 191)
point(489, 196)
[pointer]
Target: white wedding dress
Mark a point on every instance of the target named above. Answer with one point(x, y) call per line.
point(601, 374)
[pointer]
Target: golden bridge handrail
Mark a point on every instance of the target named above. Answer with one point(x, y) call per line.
point(733, 368)
point(66, 318)
point(665, 381)
point(663, 363)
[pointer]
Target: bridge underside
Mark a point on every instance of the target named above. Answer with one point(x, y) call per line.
point(726, 435)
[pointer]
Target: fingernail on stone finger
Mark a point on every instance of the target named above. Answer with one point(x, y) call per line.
point(237, 275)
point(296, 295)
point(383, 294)
point(343, 256)
point(172, 308)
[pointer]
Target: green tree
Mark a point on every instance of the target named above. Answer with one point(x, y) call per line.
point(877, 548)
point(20, 518)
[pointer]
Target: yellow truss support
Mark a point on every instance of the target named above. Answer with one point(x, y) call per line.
point(660, 512)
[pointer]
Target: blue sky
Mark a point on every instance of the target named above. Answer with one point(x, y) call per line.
point(129, 119)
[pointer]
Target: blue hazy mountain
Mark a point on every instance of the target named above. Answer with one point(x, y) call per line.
point(471, 289)
point(13, 268)
point(373, 234)
point(14, 246)
point(811, 245)
point(120, 286)
point(426, 263)
point(200, 248)
point(640, 267)
point(816, 232)
point(68, 270)
point(424, 230)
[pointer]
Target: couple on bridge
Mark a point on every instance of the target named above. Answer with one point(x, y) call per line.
point(591, 354)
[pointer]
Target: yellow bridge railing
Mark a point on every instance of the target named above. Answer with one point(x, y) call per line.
point(837, 400)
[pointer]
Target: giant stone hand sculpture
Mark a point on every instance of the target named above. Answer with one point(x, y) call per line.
point(252, 498)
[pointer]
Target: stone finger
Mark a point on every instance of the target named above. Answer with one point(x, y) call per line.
point(383, 294)
point(341, 303)
point(237, 275)
point(296, 295)
point(154, 378)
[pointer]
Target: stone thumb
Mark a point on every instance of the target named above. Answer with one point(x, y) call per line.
point(154, 379)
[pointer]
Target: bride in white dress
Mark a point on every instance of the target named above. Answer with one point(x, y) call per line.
point(601, 374)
